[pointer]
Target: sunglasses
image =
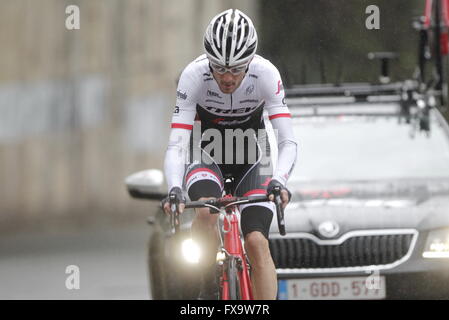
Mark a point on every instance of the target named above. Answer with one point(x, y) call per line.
point(234, 70)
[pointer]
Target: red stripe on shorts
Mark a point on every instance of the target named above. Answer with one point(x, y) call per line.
point(202, 170)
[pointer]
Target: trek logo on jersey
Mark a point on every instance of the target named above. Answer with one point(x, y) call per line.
point(229, 111)
point(211, 93)
point(181, 95)
point(280, 87)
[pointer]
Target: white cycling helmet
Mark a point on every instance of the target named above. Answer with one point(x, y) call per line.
point(230, 39)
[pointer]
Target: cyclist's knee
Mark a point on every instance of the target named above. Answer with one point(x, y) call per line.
point(203, 215)
point(256, 244)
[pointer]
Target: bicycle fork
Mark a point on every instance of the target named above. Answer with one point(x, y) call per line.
point(234, 248)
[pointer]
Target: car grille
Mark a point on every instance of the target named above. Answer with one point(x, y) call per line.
point(354, 251)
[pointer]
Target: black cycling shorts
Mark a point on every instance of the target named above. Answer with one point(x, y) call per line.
point(207, 180)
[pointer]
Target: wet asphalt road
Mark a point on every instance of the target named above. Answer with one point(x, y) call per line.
point(111, 261)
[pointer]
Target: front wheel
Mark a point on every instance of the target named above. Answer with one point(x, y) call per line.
point(233, 279)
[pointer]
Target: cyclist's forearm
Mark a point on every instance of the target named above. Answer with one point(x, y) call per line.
point(287, 148)
point(176, 157)
point(286, 161)
point(174, 167)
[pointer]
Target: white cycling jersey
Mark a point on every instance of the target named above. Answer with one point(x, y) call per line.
point(199, 97)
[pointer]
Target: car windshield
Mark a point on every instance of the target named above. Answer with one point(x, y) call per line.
point(361, 147)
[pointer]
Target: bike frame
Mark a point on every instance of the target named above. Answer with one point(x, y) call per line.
point(232, 246)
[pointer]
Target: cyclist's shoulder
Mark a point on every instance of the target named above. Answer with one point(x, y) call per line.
point(262, 66)
point(197, 67)
point(267, 75)
point(195, 75)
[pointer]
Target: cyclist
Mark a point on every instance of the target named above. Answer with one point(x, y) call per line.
point(228, 88)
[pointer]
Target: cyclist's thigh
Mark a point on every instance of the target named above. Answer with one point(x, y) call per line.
point(203, 180)
point(257, 216)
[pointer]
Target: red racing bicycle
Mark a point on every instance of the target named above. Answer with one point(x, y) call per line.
point(232, 261)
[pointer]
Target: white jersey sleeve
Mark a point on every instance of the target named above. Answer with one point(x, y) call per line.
point(181, 127)
point(280, 117)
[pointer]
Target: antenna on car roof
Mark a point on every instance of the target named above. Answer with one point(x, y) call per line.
point(384, 58)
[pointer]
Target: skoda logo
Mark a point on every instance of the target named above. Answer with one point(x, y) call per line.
point(328, 229)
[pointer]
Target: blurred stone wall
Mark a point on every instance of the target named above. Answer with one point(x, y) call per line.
point(82, 109)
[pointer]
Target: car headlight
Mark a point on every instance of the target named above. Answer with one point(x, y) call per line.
point(190, 251)
point(437, 245)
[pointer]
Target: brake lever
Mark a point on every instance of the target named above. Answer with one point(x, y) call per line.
point(279, 210)
point(174, 221)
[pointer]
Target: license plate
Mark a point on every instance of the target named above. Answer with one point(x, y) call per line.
point(350, 288)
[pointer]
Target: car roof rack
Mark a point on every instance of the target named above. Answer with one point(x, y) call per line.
point(324, 94)
point(398, 98)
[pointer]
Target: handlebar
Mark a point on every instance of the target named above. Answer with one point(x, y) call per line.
point(216, 204)
point(279, 210)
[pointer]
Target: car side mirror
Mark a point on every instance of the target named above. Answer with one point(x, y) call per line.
point(146, 184)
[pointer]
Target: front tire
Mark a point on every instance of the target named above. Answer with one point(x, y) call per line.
point(233, 279)
point(169, 277)
point(160, 286)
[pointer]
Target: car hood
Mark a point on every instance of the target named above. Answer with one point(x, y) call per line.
point(418, 204)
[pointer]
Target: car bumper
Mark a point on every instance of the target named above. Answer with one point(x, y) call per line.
point(432, 284)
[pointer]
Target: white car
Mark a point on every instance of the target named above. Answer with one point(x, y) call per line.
point(369, 217)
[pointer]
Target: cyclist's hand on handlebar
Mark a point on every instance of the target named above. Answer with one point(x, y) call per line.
point(175, 198)
point(275, 186)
